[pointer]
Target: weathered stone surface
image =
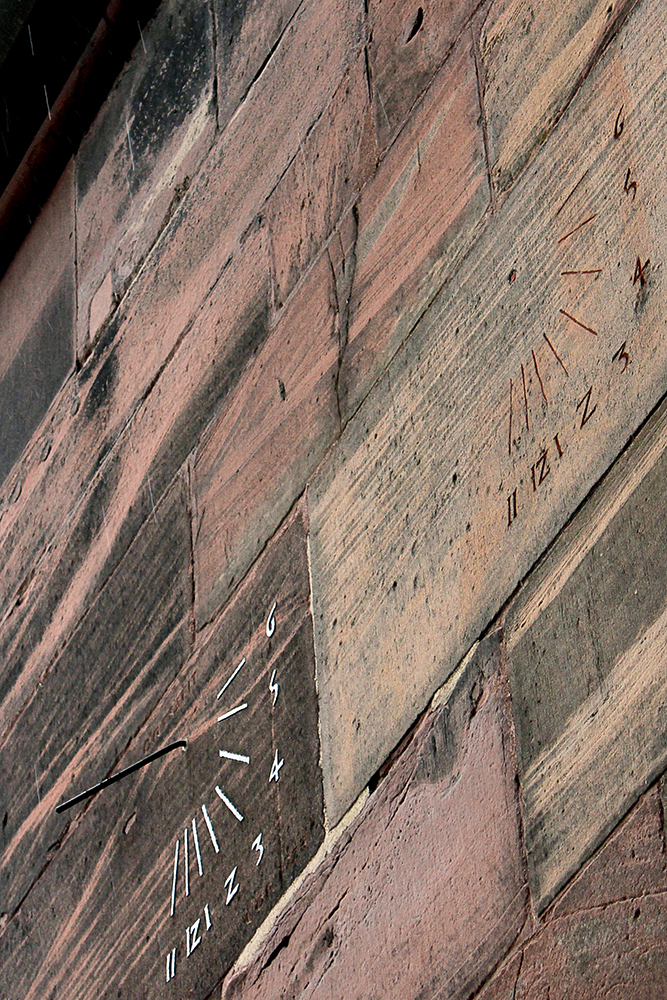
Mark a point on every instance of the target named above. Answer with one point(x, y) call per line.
point(98, 922)
point(36, 320)
point(137, 470)
point(332, 164)
point(409, 42)
point(247, 32)
point(270, 435)
point(136, 161)
point(93, 698)
point(521, 384)
point(425, 893)
point(586, 661)
point(415, 219)
point(535, 57)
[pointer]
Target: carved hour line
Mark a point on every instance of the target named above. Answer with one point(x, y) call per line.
point(271, 620)
point(539, 378)
point(274, 687)
point(258, 846)
point(208, 918)
point(186, 861)
point(234, 756)
point(619, 124)
point(197, 851)
point(632, 186)
point(230, 805)
point(232, 889)
point(211, 832)
point(275, 768)
point(577, 228)
point(509, 443)
point(173, 884)
point(233, 711)
point(525, 395)
point(582, 325)
point(230, 679)
point(171, 965)
point(555, 354)
point(586, 402)
point(571, 193)
point(597, 270)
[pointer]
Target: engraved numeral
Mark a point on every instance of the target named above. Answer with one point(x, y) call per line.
point(171, 965)
point(511, 509)
point(231, 888)
point(630, 185)
point(619, 124)
point(622, 355)
point(208, 917)
point(275, 768)
point(558, 446)
point(193, 937)
point(585, 402)
point(258, 846)
point(639, 272)
point(271, 620)
point(543, 469)
point(274, 687)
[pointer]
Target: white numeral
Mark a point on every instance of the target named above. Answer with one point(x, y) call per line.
point(232, 889)
point(193, 938)
point(271, 620)
point(275, 768)
point(208, 918)
point(258, 846)
point(274, 687)
point(171, 964)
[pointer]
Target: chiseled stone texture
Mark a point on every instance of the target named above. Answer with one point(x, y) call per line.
point(519, 386)
point(604, 935)
point(37, 296)
point(586, 643)
point(425, 893)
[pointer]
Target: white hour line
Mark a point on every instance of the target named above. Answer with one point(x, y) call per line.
point(234, 756)
point(275, 768)
point(230, 805)
point(197, 851)
point(186, 861)
point(233, 889)
point(230, 679)
point(271, 620)
point(258, 846)
point(274, 687)
point(208, 918)
point(210, 830)
point(233, 711)
point(171, 964)
point(173, 884)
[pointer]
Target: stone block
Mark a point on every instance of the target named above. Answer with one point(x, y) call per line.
point(334, 161)
point(535, 57)
point(269, 436)
point(416, 218)
point(107, 910)
point(95, 694)
point(424, 893)
point(585, 656)
point(519, 386)
point(37, 296)
point(137, 159)
point(408, 43)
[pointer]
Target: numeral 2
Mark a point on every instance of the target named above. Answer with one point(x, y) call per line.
point(231, 888)
point(585, 402)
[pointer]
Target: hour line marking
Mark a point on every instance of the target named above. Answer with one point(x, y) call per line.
point(577, 228)
point(208, 918)
point(582, 325)
point(597, 270)
point(525, 395)
point(230, 679)
point(509, 443)
point(186, 861)
point(173, 884)
point(197, 851)
point(234, 756)
point(539, 378)
point(230, 805)
point(233, 711)
point(583, 176)
point(555, 353)
point(211, 832)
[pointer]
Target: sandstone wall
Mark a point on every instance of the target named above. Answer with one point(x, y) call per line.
point(333, 375)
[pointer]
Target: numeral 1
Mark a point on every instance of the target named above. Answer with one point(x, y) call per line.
point(511, 509)
point(171, 965)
